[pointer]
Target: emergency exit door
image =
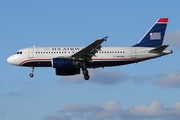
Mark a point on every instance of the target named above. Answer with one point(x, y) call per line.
point(31, 52)
point(133, 52)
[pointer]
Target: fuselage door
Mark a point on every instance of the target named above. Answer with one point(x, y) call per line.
point(31, 52)
point(133, 52)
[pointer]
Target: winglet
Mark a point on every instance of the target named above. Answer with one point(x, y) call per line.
point(105, 38)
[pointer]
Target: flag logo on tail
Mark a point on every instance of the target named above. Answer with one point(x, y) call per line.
point(155, 36)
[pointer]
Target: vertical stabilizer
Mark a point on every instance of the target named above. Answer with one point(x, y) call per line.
point(155, 36)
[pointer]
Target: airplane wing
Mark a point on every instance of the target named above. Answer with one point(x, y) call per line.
point(88, 52)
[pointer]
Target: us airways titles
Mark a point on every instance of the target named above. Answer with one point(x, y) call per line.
point(67, 48)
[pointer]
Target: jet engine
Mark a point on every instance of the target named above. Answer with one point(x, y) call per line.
point(64, 63)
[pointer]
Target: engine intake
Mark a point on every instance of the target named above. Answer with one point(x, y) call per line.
point(64, 63)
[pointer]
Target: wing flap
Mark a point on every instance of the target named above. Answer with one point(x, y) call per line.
point(88, 52)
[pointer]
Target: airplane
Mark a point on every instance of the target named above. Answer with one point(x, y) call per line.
point(71, 60)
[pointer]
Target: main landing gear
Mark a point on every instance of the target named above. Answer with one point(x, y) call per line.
point(32, 71)
point(84, 70)
point(85, 73)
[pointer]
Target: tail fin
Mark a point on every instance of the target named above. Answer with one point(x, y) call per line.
point(155, 36)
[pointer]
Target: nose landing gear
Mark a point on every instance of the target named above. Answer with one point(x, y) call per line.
point(32, 71)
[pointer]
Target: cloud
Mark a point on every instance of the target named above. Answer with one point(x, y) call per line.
point(173, 39)
point(99, 76)
point(112, 110)
point(169, 80)
point(80, 111)
point(141, 79)
point(155, 110)
point(103, 77)
point(80, 108)
point(57, 117)
point(11, 94)
point(89, 111)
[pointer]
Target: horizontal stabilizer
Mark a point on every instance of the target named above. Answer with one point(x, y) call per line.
point(159, 49)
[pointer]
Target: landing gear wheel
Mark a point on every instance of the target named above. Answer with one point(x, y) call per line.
point(85, 72)
point(86, 77)
point(32, 71)
point(31, 75)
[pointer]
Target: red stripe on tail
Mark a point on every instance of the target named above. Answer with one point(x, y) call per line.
point(162, 20)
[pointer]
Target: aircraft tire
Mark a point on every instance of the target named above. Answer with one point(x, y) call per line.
point(86, 77)
point(85, 72)
point(31, 75)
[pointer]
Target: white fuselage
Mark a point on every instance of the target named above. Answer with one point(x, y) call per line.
point(107, 56)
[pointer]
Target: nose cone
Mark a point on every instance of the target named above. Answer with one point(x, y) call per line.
point(12, 60)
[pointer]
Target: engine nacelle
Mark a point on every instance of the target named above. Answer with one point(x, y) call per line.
point(64, 63)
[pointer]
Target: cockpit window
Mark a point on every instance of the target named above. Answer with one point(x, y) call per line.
point(19, 52)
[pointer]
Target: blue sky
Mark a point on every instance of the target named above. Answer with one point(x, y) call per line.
point(147, 90)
